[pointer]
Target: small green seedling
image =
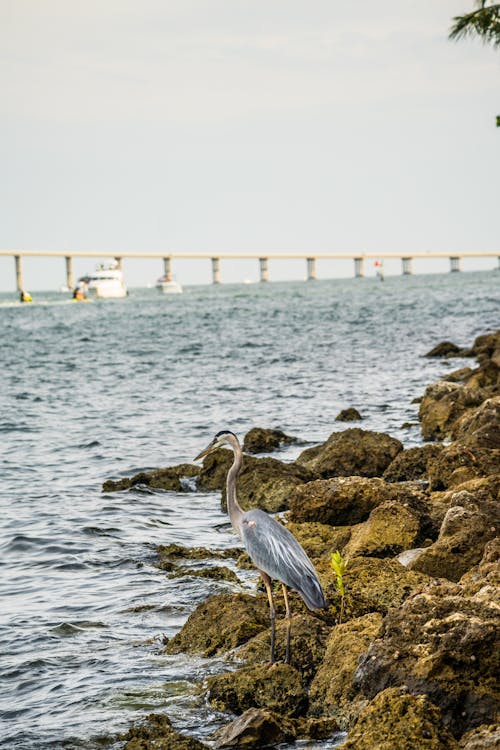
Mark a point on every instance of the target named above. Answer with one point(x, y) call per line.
point(339, 566)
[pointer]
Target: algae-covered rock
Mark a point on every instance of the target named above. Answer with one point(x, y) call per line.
point(307, 644)
point(276, 687)
point(172, 478)
point(444, 641)
point(443, 403)
point(485, 737)
point(351, 452)
point(411, 464)
point(479, 428)
point(320, 539)
point(390, 529)
point(157, 733)
point(214, 573)
point(221, 623)
point(262, 483)
point(398, 720)
point(458, 463)
point(348, 415)
point(331, 690)
point(343, 501)
point(260, 440)
point(259, 727)
point(448, 349)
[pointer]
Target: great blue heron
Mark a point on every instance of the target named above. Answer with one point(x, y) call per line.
point(273, 549)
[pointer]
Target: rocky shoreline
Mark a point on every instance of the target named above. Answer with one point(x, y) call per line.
point(410, 657)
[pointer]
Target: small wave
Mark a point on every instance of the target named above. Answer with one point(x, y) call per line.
point(73, 628)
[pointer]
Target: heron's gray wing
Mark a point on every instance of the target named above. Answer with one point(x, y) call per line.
point(275, 550)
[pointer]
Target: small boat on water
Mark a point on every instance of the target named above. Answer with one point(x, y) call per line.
point(168, 285)
point(106, 282)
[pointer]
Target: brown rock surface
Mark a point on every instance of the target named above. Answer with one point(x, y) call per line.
point(443, 403)
point(260, 440)
point(169, 478)
point(480, 428)
point(458, 463)
point(320, 539)
point(447, 349)
point(256, 728)
point(157, 733)
point(486, 737)
point(411, 464)
point(348, 415)
point(390, 529)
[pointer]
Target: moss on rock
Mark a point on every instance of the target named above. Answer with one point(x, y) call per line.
point(157, 733)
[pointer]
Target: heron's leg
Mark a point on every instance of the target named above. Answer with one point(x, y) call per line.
point(267, 584)
point(288, 624)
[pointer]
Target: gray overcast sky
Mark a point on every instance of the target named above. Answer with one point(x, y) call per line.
point(243, 125)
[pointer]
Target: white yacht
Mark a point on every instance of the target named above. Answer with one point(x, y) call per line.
point(168, 285)
point(106, 281)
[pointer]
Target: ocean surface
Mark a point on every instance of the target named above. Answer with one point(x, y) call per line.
point(105, 389)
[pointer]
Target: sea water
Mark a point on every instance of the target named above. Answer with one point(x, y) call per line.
point(98, 390)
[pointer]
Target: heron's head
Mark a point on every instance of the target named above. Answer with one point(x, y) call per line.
point(225, 437)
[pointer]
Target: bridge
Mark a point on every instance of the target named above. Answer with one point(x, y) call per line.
point(262, 257)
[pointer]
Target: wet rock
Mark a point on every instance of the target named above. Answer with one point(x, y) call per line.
point(487, 347)
point(371, 585)
point(448, 349)
point(390, 529)
point(444, 641)
point(260, 440)
point(469, 523)
point(480, 428)
point(171, 478)
point(215, 573)
point(263, 482)
point(307, 644)
point(320, 539)
point(170, 554)
point(486, 737)
point(397, 720)
point(343, 501)
point(443, 403)
point(411, 464)
point(331, 690)
point(348, 415)
point(458, 463)
point(221, 623)
point(256, 728)
point(351, 452)
point(157, 733)
point(276, 687)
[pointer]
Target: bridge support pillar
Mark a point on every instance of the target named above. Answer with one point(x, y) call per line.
point(70, 281)
point(454, 263)
point(359, 266)
point(19, 273)
point(216, 270)
point(119, 263)
point(167, 268)
point(311, 269)
point(407, 266)
point(264, 269)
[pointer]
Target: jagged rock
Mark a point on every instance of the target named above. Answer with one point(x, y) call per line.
point(348, 415)
point(444, 641)
point(371, 585)
point(480, 428)
point(343, 501)
point(215, 573)
point(470, 522)
point(443, 403)
point(486, 737)
point(331, 690)
point(263, 482)
point(320, 539)
point(255, 728)
point(307, 644)
point(276, 687)
point(170, 554)
point(170, 478)
point(221, 623)
point(351, 452)
point(448, 349)
point(411, 464)
point(260, 440)
point(458, 463)
point(390, 529)
point(157, 733)
point(461, 375)
point(398, 720)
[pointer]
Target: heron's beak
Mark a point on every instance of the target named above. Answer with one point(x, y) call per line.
point(211, 448)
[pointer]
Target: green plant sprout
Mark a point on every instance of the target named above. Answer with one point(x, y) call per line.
point(339, 566)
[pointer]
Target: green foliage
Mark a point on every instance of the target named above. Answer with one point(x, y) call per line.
point(483, 22)
point(339, 566)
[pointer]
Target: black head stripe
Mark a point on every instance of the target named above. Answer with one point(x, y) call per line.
point(224, 432)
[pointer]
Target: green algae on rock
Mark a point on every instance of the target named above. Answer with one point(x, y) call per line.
point(157, 733)
point(390, 529)
point(412, 464)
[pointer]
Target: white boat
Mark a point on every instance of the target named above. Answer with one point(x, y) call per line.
point(105, 282)
point(168, 285)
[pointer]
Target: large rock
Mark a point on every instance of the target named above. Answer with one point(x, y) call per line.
point(443, 403)
point(260, 440)
point(412, 464)
point(458, 463)
point(398, 720)
point(173, 478)
point(352, 452)
point(157, 733)
point(344, 501)
point(276, 687)
point(480, 428)
point(444, 641)
point(263, 482)
point(221, 623)
point(331, 690)
point(390, 529)
point(320, 539)
point(256, 728)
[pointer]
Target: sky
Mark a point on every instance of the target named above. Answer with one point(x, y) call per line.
point(243, 125)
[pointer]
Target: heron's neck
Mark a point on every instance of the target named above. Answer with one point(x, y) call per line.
point(233, 508)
